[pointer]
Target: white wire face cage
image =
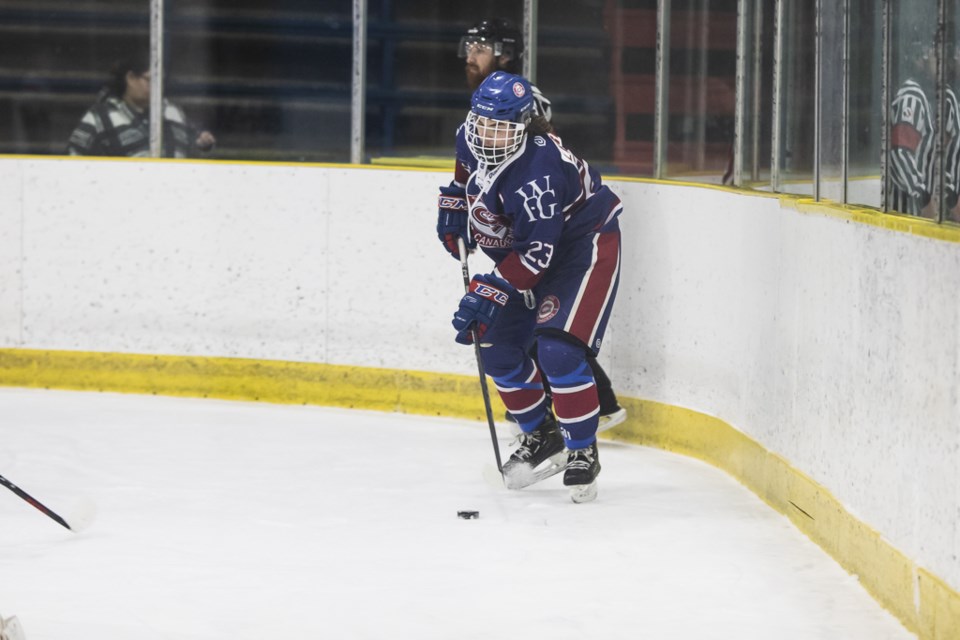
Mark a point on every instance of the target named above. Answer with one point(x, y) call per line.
point(493, 141)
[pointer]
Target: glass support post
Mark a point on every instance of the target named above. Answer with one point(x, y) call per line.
point(661, 116)
point(739, 120)
point(156, 78)
point(359, 82)
point(530, 38)
point(886, 77)
point(776, 135)
point(817, 97)
point(845, 105)
point(757, 90)
point(940, 122)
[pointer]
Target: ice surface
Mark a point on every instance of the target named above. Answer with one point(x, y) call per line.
point(249, 521)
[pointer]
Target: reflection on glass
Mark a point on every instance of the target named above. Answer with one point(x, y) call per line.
point(632, 29)
point(575, 69)
point(417, 93)
point(270, 79)
point(703, 48)
point(797, 105)
point(53, 63)
point(865, 116)
point(913, 111)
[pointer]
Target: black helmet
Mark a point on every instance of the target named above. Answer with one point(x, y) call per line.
point(499, 34)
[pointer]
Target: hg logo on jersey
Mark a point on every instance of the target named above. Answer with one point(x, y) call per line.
point(532, 202)
point(490, 293)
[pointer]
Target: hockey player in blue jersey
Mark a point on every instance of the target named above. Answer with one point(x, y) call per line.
point(551, 227)
point(497, 45)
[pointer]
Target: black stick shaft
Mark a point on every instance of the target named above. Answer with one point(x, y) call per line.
point(26, 497)
point(465, 269)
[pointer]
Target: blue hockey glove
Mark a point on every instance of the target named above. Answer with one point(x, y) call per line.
point(479, 308)
point(452, 220)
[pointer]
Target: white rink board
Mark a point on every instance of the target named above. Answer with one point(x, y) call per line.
point(11, 259)
point(833, 344)
point(276, 262)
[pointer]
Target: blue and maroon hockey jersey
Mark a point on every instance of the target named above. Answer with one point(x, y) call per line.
point(524, 211)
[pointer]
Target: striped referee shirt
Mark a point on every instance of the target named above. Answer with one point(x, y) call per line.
point(111, 127)
point(911, 149)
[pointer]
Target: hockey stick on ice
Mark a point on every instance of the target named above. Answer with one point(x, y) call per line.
point(32, 501)
point(465, 268)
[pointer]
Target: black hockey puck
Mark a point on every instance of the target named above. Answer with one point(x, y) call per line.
point(468, 515)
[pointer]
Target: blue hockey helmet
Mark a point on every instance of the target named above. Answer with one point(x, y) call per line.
point(500, 110)
point(504, 96)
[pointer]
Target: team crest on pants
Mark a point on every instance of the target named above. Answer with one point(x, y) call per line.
point(549, 307)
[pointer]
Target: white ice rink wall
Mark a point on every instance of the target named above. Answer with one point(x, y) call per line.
point(831, 339)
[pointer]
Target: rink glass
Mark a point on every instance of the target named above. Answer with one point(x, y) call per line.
point(785, 95)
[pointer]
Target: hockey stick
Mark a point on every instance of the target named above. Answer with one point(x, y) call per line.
point(32, 501)
point(465, 269)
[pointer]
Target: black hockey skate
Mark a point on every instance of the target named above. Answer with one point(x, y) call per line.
point(583, 466)
point(540, 455)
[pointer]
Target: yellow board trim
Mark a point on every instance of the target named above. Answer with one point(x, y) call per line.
point(252, 380)
point(919, 599)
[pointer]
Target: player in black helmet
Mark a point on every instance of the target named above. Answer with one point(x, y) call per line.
point(496, 45)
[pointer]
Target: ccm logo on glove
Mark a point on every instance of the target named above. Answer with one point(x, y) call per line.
point(452, 202)
point(488, 292)
point(479, 308)
point(453, 219)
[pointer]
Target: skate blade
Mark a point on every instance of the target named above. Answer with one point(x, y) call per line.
point(611, 420)
point(522, 476)
point(580, 493)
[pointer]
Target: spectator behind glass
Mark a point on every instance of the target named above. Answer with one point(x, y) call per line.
point(118, 124)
